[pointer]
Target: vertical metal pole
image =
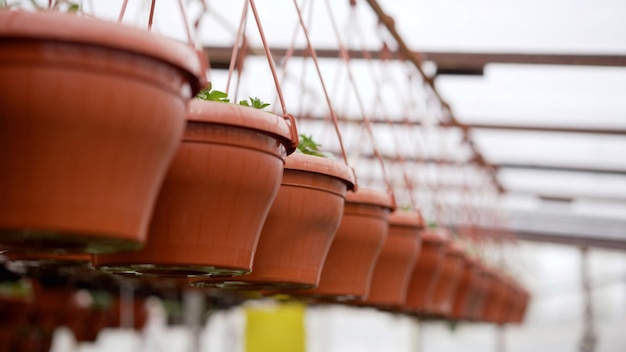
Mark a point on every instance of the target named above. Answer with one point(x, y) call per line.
point(420, 336)
point(127, 305)
point(193, 308)
point(588, 340)
point(500, 338)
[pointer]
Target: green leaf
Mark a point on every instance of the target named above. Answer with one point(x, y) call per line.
point(213, 95)
point(308, 146)
point(255, 103)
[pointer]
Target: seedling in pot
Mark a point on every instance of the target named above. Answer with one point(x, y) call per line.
point(254, 103)
point(309, 146)
point(213, 95)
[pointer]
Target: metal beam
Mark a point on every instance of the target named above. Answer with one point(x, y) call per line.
point(452, 61)
point(501, 165)
point(577, 241)
point(484, 126)
point(563, 168)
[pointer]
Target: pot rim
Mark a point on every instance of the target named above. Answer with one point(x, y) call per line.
point(435, 235)
point(316, 164)
point(454, 249)
point(75, 29)
point(406, 218)
point(370, 196)
point(227, 114)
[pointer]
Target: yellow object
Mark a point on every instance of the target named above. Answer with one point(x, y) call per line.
point(275, 328)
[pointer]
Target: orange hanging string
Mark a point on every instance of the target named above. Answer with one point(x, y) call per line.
point(379, 101)
point(268, 54)
point(345, 56)
point(294, 139)
point(183, 12)
point(151, 18)
point(238, 41)
point(122, 11)
point(319, 73)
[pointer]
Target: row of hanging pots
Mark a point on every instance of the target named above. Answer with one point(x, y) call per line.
point(92, 114)
point(108, 163)
point(449, 284)
point(216, 195)
point(109, 157)
point(31, 321)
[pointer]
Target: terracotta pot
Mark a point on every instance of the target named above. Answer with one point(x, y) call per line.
point(51, 303)
point(466, 291)
point(350, 262)
point(493, 303)
point(426, 268)
point(216, 195)
point(300, 227)
point(482, 285)
point(396, 261)
point(512, 301)
point(520, 312)
point(442, 289)
point(92, 113)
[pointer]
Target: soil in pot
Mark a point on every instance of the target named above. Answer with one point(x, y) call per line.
point(92, 113)
point(216, 195)
point(352, 257)
point(300, 227)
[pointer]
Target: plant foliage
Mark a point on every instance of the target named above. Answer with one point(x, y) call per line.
point(254, 103)
point(309, 146)
point(213, 95)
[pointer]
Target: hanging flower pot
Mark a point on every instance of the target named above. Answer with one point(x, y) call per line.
point(396, 260)
point(492, 304)
point(300, 227)
point(442, 289)
point(350, 262)
point(466, 289)
point(519, 312)
point(509, 302)
point(92, 113)
point(426, 268)
point(216, 195)
point(481, 285)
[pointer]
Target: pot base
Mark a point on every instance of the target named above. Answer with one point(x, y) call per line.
point(250, 286)
point(38, 241)
point(172, 271)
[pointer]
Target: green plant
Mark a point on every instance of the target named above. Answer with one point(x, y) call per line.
point(254, 103)
point(309, 146)
point(213, 95)
point(59, 5)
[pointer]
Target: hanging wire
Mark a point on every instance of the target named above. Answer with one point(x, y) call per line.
point(344, 55)
point(379, 102)
point(321, 78)
point(239, 41)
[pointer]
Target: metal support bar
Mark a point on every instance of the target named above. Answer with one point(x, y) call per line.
point(501, 165)
point(589, 339)
point(452, 61)
point(578, 241)
point(483, 126)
